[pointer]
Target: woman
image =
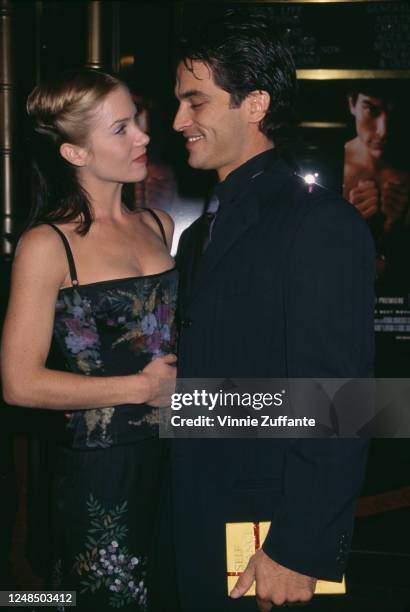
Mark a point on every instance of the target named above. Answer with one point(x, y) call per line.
point(95, 276)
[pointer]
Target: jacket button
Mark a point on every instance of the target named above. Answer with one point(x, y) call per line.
point(186, 323)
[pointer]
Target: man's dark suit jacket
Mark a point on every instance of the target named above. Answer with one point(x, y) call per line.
point(285, 289)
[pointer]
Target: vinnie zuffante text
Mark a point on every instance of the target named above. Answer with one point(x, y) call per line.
point(222, 399)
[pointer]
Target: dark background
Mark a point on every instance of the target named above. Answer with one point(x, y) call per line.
point(50, 37)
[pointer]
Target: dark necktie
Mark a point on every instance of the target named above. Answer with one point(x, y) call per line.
point(210, 217)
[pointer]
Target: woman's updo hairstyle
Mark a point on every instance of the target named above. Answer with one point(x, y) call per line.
point(63, 110)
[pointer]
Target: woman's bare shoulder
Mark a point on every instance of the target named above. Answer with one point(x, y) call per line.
point(41, 238)
point(166, 221)
point(41, 249)
point(163, 216)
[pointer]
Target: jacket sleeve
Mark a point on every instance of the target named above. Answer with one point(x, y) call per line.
point(329, 304)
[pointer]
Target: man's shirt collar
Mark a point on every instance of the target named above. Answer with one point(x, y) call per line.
point(237, 180)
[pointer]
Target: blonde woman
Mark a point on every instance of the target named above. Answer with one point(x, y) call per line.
point(95, 277)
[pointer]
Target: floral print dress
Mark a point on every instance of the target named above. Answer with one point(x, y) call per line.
point(115, 328)
point(108, 470)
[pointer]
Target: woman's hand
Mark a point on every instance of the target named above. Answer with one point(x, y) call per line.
point(160, 375)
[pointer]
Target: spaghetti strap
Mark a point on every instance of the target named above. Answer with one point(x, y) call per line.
point(159, 223)
point(70, 258)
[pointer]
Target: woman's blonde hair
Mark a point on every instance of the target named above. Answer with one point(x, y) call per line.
point(66, 107)
point(63, 110)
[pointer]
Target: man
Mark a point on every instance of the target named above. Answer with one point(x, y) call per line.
point(377, 177)
point(283, 289)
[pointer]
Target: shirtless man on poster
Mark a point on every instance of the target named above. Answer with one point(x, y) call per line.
point(377, 178)
point(376, 175)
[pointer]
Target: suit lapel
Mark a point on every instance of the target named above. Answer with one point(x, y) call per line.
point(242, 215)
point(188, 258)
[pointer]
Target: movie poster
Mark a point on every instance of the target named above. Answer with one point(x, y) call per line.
point(376, 180)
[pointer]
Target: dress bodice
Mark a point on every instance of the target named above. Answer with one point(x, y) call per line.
point(113, 328)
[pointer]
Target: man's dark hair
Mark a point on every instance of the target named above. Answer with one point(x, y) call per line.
point(245, 54)
point(389, 91)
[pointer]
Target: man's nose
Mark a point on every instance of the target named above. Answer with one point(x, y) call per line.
point(381, 125)
point(182, 119)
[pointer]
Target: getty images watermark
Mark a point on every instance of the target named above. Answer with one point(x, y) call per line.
point(294, 408)
point(227, 399)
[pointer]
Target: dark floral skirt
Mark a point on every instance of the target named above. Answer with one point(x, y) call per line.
point(104, 510)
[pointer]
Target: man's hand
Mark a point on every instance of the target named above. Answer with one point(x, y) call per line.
point(394, 201)
point(275, 585)
point(365, 198)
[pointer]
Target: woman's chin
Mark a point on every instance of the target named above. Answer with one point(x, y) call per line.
point(139, 175)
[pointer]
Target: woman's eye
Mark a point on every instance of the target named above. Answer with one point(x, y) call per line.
point(197, 105)
point(121, 130)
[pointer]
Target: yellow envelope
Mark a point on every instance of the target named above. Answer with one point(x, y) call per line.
point(243, 539)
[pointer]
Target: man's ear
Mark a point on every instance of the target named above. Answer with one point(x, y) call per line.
point(75, 155)
point(258, 105)
point(352, 106)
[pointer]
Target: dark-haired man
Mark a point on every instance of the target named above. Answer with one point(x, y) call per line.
point(282, 288)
